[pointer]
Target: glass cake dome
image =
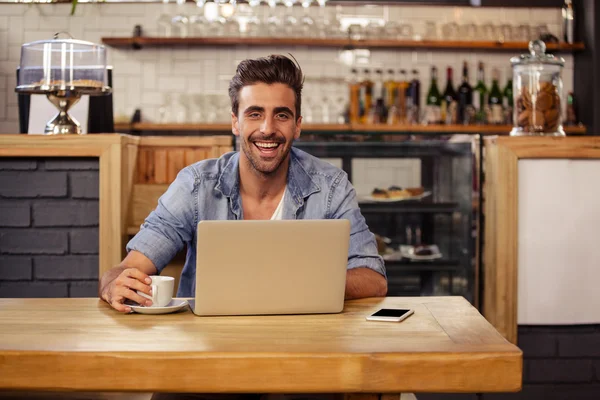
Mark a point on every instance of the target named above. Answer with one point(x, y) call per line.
point(62, 64)
point(63, 70)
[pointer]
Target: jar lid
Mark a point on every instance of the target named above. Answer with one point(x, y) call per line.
point(537, 55)
point(68, 40)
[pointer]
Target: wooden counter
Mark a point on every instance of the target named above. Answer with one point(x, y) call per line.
point(133, 173)
point(529, 224)
point(117, 156)
point(83, 344)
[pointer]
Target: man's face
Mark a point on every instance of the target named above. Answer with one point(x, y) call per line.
point(266, 124)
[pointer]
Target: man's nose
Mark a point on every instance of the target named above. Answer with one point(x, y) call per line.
point(268, 126)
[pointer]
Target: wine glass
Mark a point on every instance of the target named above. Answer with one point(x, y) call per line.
point(307, 22)
point(290, 21)
point(165, 28)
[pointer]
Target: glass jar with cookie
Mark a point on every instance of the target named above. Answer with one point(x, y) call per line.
point(537, 93)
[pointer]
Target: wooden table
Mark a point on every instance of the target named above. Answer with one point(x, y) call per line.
point(83, 345)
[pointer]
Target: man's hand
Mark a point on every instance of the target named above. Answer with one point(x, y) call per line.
point(364, 282)
point(120, 283)
point(124, 287)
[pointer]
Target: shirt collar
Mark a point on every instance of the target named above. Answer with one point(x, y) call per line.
point(300, 184)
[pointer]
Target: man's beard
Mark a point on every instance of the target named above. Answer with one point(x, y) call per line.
point(261, 166)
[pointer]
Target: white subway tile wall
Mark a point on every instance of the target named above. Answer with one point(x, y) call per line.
point(142, 78)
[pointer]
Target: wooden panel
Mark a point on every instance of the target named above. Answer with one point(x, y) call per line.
point(553, 147)
point(96, 348)
point(144, 199)
point(141, 175)
point(110, 226)
point(185, 141)
point(190, 156)
point(128, 165)
point(490, 303)
point(200, 154)
point(160, 166)
point(501, 240)
point(60, 145)
point(411, 44)
point(150, 167)
point(175, 163)
point(507, 244)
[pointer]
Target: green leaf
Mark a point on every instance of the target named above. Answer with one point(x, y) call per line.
point(73, 7)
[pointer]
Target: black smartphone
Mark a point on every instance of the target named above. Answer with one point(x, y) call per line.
point(390, 315)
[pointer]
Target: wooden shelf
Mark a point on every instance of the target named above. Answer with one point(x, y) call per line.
point(407, 207)
point(345, 128)
point(138, 42)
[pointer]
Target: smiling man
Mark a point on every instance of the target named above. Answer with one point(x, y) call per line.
point(267, 179)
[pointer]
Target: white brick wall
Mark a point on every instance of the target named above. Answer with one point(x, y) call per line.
point(141, 78)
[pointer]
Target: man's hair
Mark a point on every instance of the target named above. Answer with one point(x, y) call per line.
point(269, 70)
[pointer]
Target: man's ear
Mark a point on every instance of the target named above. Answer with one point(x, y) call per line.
point(298, 127)
point(235, 125)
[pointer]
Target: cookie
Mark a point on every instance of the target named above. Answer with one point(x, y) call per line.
point(538, 108)
point(544, 101)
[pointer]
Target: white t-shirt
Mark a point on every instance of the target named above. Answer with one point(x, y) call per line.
point(278, 214)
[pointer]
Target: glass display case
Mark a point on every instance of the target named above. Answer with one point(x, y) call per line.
point(426, 238)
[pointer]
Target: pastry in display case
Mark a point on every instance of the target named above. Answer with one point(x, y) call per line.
point(63, 70)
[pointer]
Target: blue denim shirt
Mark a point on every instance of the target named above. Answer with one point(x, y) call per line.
point(209, 190)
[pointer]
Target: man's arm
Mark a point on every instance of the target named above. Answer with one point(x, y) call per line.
point(364, 282)
point(366, 271)
point(164, 232)
point(121, 282)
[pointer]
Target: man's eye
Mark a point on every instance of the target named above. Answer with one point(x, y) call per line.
point(282, 116)
point(254, 115)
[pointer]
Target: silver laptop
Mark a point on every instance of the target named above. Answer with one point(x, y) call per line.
point(271, 267)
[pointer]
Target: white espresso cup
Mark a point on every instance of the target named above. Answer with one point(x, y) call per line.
point(162, 290)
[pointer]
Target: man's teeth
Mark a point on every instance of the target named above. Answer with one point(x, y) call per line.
point(267, 145)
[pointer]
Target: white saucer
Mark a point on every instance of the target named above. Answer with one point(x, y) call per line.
point(173, 306)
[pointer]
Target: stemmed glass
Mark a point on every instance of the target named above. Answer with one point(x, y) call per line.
point(181, 21)
point(274, 22)
point(290, 21)
point(230, 24)
point(307, 21)
point(198, 22)
point(165, 28)
point(254, 25)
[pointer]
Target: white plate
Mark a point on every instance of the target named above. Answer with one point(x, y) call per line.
point(173, 306)
point(378, 200)
point(408, 252)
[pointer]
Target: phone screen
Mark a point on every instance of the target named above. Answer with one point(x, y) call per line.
point(389, 312)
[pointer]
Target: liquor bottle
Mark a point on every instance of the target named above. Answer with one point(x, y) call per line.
point(366, 95)
point(434, 100)
point(379, 96)
point(571, 115)
point(354, 86)
point(465, 98)
point(413, 98)
point(391, 89)
point(495, 101)
point(568, 22)
point(449, 100)
point(402, 92)
point(480, 96)
point(508, 99)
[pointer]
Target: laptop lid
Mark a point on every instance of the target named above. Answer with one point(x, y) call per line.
point(271, 267)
